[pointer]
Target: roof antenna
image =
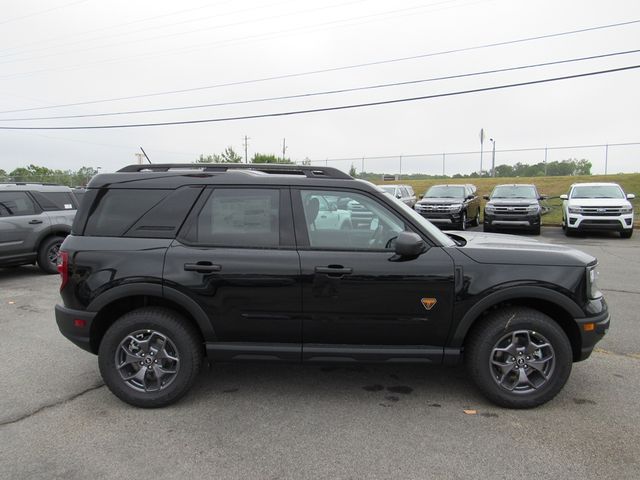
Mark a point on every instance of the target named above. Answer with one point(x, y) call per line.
point(145, 155)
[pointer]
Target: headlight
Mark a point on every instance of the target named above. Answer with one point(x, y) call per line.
point(533, 208)
point(592, 279)
point(575, 209)
point(626, 210)
point(455, 207)
point(490, 208)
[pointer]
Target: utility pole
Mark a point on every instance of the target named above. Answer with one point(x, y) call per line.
point(545, 161)
point(246, 145)
point(362, 169)
point(400, 174)
point(606, 158)
point(481, 148)
point(443, 162)
point(493, 157)
point(284, 148)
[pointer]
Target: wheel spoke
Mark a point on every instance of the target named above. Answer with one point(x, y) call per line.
point(130, 358)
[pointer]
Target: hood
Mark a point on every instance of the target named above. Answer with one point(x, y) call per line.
point(599, 202)
point(515, 250)
point(440, 201)
point(512, 201)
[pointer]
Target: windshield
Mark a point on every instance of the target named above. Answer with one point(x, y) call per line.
point(444, 191)
point(434, 231)
point(597, 191)
point(514, 191)
point(389, 189)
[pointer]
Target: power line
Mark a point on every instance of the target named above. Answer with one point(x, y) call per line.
point(327, 109)
point(327, 92)
point(29, 15)
point(332, 69)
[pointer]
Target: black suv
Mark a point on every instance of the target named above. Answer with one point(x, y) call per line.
point(34, 219)
point(450, 206)
point(512, 207)
point(167, 263)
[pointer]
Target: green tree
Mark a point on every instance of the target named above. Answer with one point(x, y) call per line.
point(504, 171)
point(3, 174)
point(215, 158)
point(352, 171)
point(268, 158)
point(583, 167)
point(230, 156)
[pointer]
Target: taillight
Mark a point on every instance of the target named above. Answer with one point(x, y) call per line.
point(63, 268)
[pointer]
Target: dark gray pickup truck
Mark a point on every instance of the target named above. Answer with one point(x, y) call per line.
point(34, 220)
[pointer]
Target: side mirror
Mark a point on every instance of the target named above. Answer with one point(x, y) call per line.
point(420, 197)
point(564, 196)
point(409, 244)
point(486, 197)
point(469, 197)
point(398, 196)
point(542, 197)
point(631, 196)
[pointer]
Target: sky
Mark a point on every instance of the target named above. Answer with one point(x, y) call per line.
point(63, 52)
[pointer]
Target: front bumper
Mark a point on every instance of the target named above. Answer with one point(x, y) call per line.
point(592, 329)
point(593, 223)
point(442, 218)
point(76, 326)
point(521, 221)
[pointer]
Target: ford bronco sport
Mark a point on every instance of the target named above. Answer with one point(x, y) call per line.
point(168, 263)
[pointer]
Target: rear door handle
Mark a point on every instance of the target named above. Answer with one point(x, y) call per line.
point(202, 267)
point(35, 222)
point(334, 270)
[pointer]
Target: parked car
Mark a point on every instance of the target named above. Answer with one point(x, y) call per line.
point(404, 193)
point(450, 206)
point(167, 263)
point(515, 207)
point(34, 220)
point(597, 206)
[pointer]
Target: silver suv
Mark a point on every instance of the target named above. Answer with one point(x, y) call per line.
point(404, 193)
point(34, 220)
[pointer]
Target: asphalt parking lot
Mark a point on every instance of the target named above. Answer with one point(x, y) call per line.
point(57, 420)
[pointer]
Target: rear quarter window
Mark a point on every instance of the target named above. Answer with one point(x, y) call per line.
point(51, 201)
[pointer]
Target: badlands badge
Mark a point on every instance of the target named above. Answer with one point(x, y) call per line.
point(428, 303)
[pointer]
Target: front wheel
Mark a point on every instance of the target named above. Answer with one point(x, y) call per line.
point(463, 221)
point(626, 233)
point(476, 220)
point(150, 357)
point(518, 357)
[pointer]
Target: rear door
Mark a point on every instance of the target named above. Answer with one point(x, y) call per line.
point(236, 257)
point(21, 221)
point(359, 301)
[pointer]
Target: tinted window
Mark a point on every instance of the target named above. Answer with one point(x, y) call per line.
point(339, 228)
point(445, 191)
point(238, 217)
point(116, 210)
point(16, 203)
point(514, 191)
point(50, 201)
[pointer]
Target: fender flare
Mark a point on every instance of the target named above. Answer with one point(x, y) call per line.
point(52, 230)
point(512, 293)
point(157, 290)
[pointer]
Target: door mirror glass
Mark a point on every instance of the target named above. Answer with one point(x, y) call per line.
point(409, 244)
point(631, 196)
point(486, 197)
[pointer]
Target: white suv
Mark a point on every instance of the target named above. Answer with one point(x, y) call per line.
point(597, 206)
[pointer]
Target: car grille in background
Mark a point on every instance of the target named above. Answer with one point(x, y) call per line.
point(432, 208)
point(601, 211)
point(510, 210)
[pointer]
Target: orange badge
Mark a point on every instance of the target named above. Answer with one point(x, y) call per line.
point(428, 303)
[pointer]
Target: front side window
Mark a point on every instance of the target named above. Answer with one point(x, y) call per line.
point(351, 221)
point(238, 217)
point(16, 204)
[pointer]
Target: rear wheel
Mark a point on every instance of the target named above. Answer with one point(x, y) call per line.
point(150, 357)
point(48, 254)
point(518, 357)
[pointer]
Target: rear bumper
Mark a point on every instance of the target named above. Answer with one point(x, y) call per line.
point(76, 326)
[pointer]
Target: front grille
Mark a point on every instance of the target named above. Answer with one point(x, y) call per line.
point(601, 211)
point(511, 210)
point(433, 208)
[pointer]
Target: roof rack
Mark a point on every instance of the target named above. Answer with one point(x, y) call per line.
point(33, 183)
point(274, 168)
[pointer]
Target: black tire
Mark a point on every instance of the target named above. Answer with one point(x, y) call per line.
point(626, 233)
point(487, 228)
point(463, 221)
point(48, 254)
point(570, 232)
point(536, 230)
point(476, 220)
point(181, 338)
point(481, 348)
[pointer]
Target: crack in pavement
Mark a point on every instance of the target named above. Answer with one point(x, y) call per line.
point(50, 405)
point(635, 356)
point(619, 291)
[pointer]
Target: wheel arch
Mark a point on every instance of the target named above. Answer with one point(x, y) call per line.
point(52, 231)
point(553, 304)
point(114, 303)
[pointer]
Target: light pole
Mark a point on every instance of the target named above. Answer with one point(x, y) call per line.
point(493, 157)
point(481, 148)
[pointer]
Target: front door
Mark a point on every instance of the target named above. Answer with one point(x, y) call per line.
point(21, 222)
point(359, 300)
point(236, 257)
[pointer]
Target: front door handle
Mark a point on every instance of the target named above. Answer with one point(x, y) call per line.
point(35, 222)
point(334, 270)
point(202, 267)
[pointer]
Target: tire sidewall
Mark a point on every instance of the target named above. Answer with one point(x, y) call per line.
point(43, 254)
point(167, 323)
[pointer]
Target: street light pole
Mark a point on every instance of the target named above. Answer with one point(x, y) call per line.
point(493, 157)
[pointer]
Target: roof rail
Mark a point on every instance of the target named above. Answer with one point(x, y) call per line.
point(275, 168)
point(33, 183)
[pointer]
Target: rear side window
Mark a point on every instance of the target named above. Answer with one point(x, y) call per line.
point(50, 201)
point(15, 204)
point(239, 218)
point(115, 211)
